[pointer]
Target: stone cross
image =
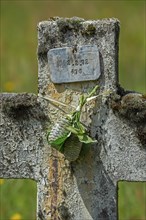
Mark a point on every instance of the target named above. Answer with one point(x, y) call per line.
point(87, 188)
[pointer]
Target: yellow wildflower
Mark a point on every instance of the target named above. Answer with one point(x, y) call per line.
point(1, 181)
point(9, 86)
point(16, 216)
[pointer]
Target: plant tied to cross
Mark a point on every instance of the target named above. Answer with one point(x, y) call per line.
point(68, 134)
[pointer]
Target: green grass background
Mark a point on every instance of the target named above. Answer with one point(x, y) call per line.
point(18, 196)
point(18, 69)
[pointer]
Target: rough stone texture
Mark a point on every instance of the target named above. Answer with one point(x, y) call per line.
point(22, 129)
point(85, 189)
point(62, 32)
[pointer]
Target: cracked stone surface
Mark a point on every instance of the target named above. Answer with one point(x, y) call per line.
point(87, 188)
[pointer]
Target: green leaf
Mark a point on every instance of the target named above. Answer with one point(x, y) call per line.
point(72, 130)
point(59, 140)
point(93, 91)
point(84, 138)
point(57, 147)
point(76, 117)
point(82, 101)
point(81, 128)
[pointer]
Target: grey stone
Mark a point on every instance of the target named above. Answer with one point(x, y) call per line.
point(87, 188)
point(22, 125)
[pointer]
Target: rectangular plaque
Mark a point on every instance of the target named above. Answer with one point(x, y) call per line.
point(76, 64)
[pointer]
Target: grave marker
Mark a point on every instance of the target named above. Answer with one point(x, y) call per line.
point(85, 189)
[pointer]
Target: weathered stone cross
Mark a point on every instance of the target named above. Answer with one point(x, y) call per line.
point(87, 188)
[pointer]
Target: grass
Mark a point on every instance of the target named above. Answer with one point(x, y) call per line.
point(19, 74)
point(18, 199)
point(132, 200)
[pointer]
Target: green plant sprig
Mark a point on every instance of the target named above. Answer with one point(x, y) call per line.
point(75, 125)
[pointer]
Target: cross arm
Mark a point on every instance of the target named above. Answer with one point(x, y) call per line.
point(124, 152)
point(22, 121)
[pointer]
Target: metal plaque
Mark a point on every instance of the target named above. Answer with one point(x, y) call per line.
point(76, 64)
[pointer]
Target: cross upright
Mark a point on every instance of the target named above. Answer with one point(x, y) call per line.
point(87, 188)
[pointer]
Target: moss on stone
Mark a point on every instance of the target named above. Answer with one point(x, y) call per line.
point(132, 107)
point(89, 30)
point(66, 24)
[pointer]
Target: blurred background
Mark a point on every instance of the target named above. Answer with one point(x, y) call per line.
point(18, 69)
